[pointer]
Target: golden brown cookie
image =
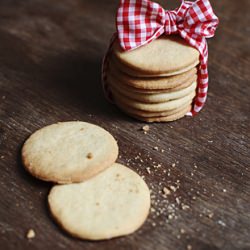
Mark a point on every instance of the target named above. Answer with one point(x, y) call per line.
point(147, 114)
point(169, 118)
point(151, 83)
point(114, 203)
point(167, 55)
point(154, 98)
point(115, 80)
point(151, 107)
point(69, 152)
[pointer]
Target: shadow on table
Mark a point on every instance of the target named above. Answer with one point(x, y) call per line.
point(69, 78)
point(75, 78)
point(15, 54)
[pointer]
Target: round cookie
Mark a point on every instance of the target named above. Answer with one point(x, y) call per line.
point(155, 98)
point(69, 152)
point(141, 113)
point(169, 55)
point(139, 74)
point(152, 83)
point(151, 107)
point(115, 80)
point(169, 118)
point(114, 203)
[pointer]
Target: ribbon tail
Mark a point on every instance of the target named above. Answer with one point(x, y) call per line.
point(200, 44)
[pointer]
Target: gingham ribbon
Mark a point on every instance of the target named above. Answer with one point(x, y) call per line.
point(141, 22)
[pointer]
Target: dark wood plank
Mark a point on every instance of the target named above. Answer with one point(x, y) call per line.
point(51, 53)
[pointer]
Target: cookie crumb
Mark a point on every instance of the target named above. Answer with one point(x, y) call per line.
point(210, 215)
point(156, 148)
point(2, 156)
point(166, 191)
point(182, 231)
point(189, 247)
point(173, 165)
point(89, 155)
point(173, 188)
point(145, 128)
point(148, 170)
point(170, 216)
point(184, 207)
point(224, 190)
point(162, 150)
point(222, 223)
point(157, 166)
point(31, 234)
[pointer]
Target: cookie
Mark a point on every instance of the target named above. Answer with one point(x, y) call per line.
point(146, 114)
point(69, 152)
point(152, 83)
point(114, 203)
point(154, 98)
point(114, 80)
point(167, 55)
point(169, 118)
point(139, 74)
point(151, 107)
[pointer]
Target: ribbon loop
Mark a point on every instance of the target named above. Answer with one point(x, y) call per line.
point(170, 22)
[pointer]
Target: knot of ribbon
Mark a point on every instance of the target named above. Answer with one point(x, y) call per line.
point(170, 22)
point(139, 22)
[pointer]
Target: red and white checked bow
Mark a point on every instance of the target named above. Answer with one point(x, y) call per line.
point(141, 22)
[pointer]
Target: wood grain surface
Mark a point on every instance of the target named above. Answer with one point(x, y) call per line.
point(50, 64)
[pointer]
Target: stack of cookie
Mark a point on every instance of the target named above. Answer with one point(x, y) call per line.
point(156, 82)
point(101, 199)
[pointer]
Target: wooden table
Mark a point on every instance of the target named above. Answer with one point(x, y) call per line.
point(50, 63)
